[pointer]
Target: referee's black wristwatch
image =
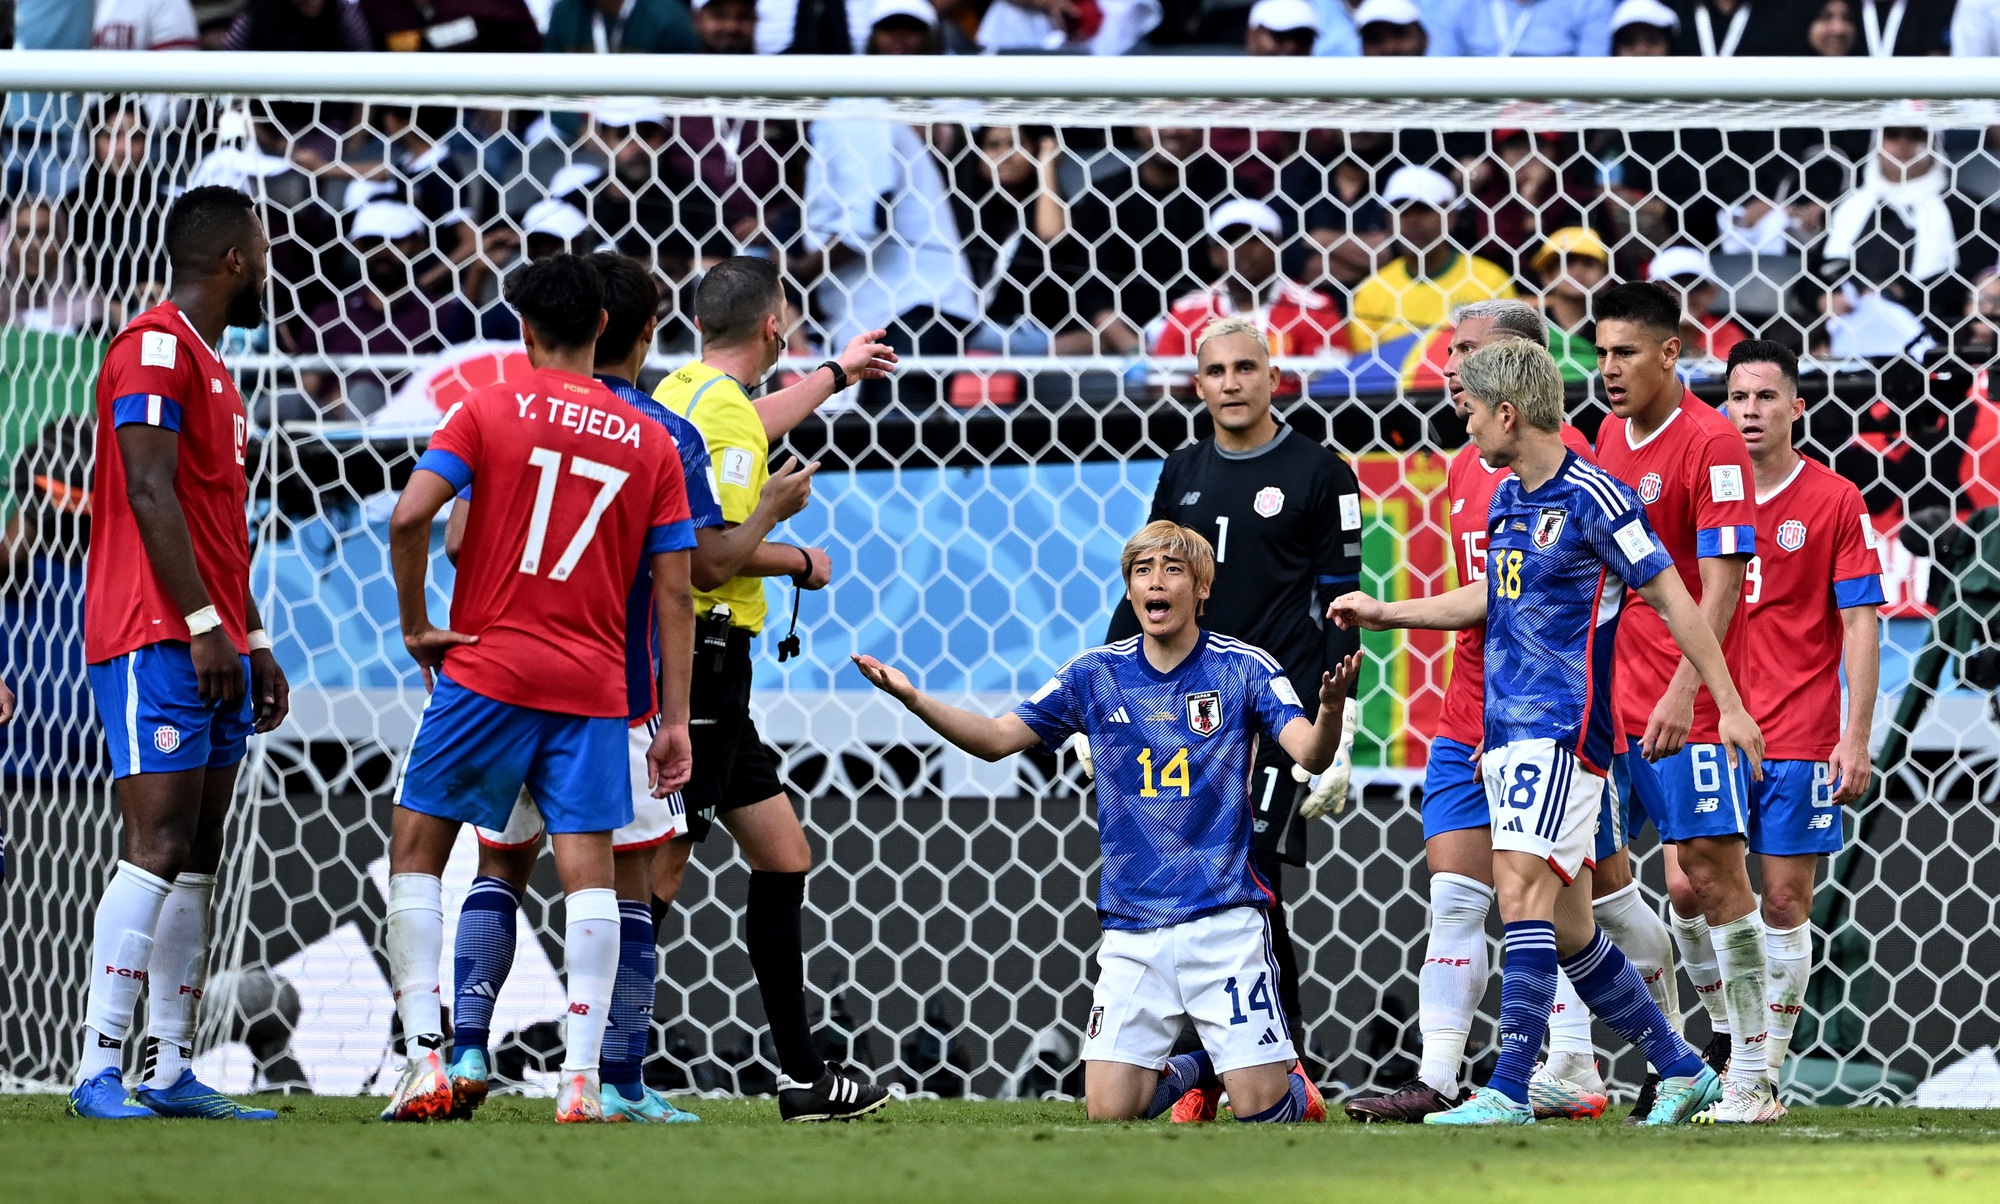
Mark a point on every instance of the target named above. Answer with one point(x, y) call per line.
point(839, 374)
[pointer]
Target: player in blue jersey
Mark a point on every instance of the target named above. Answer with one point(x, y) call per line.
point(1173, 716)
point(1564, 541)
point(484, 943)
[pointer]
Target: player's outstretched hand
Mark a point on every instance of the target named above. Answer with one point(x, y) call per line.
point(890, 681)
point(1334, 687)
point(270, 693)
point(218, 669)
point(788, 489)
point(428, 646)
point(669, 759)
point(867, 357)
point(1357, 609)
point(1851, 772)
point(6, 704)
point(1741, 738)
point(1667, 729)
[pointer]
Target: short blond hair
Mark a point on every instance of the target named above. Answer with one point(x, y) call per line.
point(1520, 373)
point(1227, 326)
point(1165, 537)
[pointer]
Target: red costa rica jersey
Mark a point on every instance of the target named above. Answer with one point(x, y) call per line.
point(158, 372)
point(1693, 474)
point(1469, 486)
point(1816, 554)
point(574, 488)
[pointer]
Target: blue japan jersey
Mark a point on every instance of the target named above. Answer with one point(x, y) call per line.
point(1558, 560)
point(1173, 754)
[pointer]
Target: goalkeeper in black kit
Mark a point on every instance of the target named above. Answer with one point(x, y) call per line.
point(1284, 515)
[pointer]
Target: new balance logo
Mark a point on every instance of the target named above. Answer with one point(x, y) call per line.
point(1269, 1038)
point(1119, 716)
point(1819, 823)
point(1702, 806)
point(1189, 499)
point(579, 1009)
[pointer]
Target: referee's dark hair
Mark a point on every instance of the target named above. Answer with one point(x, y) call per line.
point(561, 297)
point(631, 299)
point(735, 297)
point(1764, 351)
point(203, 224)
point(1643, 302)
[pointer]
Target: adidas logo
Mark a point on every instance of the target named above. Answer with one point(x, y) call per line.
point(1119, 716)
point(482, 989)
point(1269, 1038)
point(1513, 825)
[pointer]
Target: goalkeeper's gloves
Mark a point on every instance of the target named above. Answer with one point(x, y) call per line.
point(1327, 795)
point(1079, 747)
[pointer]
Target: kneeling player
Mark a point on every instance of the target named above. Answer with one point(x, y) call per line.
point(1558, 530)
point(1173, 716)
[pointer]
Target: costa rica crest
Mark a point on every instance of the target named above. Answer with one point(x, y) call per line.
point(1649, 488)
point(1204, 712)
point(1791, 535)
point(166, 739)
point(1270, 499)
point(1548, 529)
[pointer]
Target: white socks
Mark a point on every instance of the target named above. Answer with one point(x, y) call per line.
point(121, 947)
point(1453, 978)
point(178, 969)
point(590, 947)
point(415, 938)
point(1642, 937)
point(1789, 952)
point(1739, 951)
point(1569, 1023)
point(1698, 959)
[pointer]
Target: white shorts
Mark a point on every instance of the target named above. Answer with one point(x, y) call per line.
point(1217, 971)
point(655, 821)
point(1543, 803)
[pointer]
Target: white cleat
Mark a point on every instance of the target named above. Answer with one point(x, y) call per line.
point(1744, 1103)
point(579, 1101)
point(424, 1091)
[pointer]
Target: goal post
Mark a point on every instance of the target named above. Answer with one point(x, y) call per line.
point(974, 516)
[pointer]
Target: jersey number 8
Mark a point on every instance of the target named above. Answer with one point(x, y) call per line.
point(1173, 773)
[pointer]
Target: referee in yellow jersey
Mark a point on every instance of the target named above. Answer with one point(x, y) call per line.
point(740, 310)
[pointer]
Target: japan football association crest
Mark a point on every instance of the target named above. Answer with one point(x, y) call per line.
point(1791, 535)
point(1270, 499)
point(1548, 528)
point(1649, 488)
point(1204, 712)
point(1096, 1023)
point(166, 739)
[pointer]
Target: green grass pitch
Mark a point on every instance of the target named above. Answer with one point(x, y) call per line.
point(331, 1149)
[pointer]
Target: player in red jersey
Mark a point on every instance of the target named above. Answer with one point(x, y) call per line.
point(574, 488)
point(1687, 464)
point(180, 665)
point(1810, 598)
point(1458, 845)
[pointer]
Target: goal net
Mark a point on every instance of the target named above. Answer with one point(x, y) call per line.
point(1044, 256)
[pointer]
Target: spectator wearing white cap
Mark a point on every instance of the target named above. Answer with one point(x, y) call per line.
point(1687, 271)
point(1243, 240)
point(1430, 277)
point(1281, 27)
point(619, 27)
point(725, 26)
point(549, 227)
point(1521, 28)
point(1643, 29)
point(1391, 29)
point(1095, 27)
point(616, 180)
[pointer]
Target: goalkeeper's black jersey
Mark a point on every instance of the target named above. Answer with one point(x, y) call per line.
point(1285, 521)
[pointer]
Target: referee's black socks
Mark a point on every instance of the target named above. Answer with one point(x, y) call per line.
point(771, 931)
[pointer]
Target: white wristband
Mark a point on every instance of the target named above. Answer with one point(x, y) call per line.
point(203, 621)
point(260, 640)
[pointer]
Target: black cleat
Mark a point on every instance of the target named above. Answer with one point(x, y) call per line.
point(1407, 1104)
point(1716, 1053)
point(833, 1097)
point(1643, 1106)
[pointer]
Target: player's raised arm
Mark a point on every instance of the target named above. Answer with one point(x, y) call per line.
point(1461, 608)
point(1313, 745)
point(986, 738)
point(1669, 598)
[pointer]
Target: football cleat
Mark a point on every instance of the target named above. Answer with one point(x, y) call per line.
point(1567, 1088)
point(102, 1096)
point(1484, 1107)
point(1680, 1098)
point(1408, 1104)
point(190, 1098)
point(834, 1097)
point(650, 1108)
point(1315, 1102)
point(424, 1091)
point(1716, 1053)
point(581, 1100)
point(1196, 1106)
point(1642, 1107)
point(471, 1079)
point(1752, 1103)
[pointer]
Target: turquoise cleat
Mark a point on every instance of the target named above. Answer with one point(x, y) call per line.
point(651, 1108)
point(1680, 1098)
point(470, 1080)
point(1484, 1106)
point(191, 1099)
point(102, 1096)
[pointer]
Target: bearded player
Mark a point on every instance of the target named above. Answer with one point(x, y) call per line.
point(180, 663)
point(1810, 598)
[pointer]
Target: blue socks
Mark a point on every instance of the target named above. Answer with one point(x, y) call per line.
point(482, 955)
point(1289, 1110)
point(1527, 992)
point(1618, 996)
point(631, 1026)
point(1183, 1073)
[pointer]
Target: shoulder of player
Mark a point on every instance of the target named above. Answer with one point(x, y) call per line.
point(1829, 487)
point(1117, 650)
point(1230, 648)
point(1613, 497)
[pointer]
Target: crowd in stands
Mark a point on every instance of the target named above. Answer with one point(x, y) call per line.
point(393, 226)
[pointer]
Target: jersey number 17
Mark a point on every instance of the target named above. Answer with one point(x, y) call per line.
point(549, 463)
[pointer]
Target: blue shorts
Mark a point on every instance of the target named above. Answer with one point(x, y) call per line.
point(1700, 795)
point(154, 718)
point(471, 755)
point(1454, 795)
point(1630, 803)
point(1792, 811)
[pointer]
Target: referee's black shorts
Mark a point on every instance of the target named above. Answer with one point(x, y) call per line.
point(733, 767)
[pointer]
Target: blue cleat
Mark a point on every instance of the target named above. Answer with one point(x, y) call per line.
point(470, 1080)
point(102, 1096)
point(651, 1108)
point(191, 1099)
point(1680, 1098)
point(1484, 1106)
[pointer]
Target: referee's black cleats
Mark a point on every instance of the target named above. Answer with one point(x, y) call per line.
point(833, 1097)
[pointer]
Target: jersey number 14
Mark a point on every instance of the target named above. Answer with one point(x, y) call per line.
point(1173, 773)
